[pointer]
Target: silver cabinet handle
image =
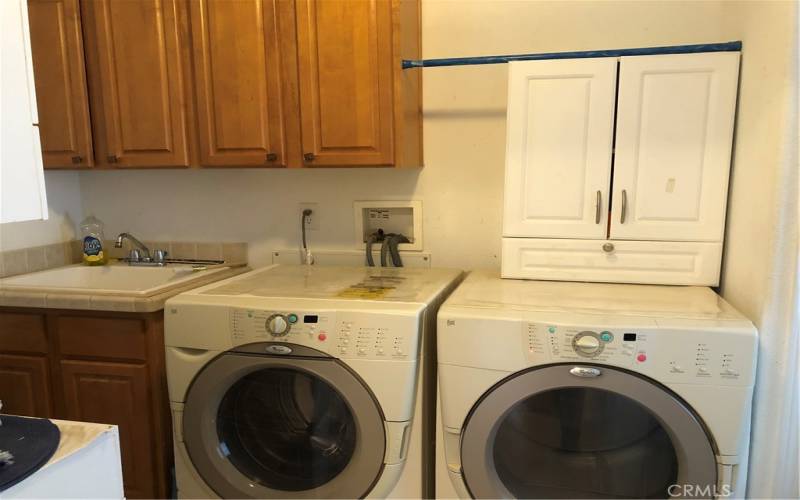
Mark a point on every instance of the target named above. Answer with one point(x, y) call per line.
point(624, 207)
point(597, 206)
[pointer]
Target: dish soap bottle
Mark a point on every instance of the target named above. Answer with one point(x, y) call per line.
point(92, 231)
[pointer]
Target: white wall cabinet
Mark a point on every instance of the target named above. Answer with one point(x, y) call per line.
point(619, 166)
point(22, 191)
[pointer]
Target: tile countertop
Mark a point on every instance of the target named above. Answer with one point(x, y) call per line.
point(52, 299)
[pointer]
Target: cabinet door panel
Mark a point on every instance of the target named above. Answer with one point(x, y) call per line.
point(25, 385)
point(138, 75)
point(238, 82)
point(674, 131)
point(116, 393)
point(558, 150)
point(60, 76)
point(345, 71)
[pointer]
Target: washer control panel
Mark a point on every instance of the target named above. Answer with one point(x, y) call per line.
point(310, 328)
point(364, 339)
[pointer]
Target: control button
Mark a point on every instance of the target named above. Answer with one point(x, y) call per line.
point(362, 351)
point(345, 341)
point(277, 325)
point(606, 337)
point(731, 371)
point(702, 370)
point(342, 350)
point(551, 329)
point(380, 351)
point(641, 358)
point(676, 369)
point(398, 351)
point(292, 318)
point(322, 337)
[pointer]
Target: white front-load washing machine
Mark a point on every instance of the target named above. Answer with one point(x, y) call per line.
point(579, 390)
point(305, 382)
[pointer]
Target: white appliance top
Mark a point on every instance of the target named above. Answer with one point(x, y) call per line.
point(374, 284)
point(486, 290)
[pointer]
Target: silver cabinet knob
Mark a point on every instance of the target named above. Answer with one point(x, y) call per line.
point(608, 247)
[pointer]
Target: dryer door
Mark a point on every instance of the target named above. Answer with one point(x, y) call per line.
point(584, 431)
point(283, 426)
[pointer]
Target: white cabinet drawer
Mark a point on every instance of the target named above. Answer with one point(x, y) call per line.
point(654, 262)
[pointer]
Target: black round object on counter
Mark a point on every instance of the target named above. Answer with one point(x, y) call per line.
point(32, 441)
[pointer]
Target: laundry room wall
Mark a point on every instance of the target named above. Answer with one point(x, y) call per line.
point(464, 137)
point(65, 213)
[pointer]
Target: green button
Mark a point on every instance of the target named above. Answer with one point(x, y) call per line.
point(292, 318)
point(606, 336)
point(552, 329)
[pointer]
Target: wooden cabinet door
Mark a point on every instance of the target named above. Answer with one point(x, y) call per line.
point(25, 385)
point(238, 82)
point(345, 73)
point(673, 148)
point(60, 77)
point(558, 148)
point(116, 393)
point(135, 67)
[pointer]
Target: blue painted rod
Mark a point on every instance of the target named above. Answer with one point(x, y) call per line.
point(672, 49)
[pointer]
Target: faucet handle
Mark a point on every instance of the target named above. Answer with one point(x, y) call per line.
point(159, 255)
point(135, 255)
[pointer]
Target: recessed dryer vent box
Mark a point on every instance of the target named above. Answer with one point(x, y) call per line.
point(404, 217)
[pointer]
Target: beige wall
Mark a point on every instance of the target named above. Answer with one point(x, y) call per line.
point(65, 212)
point(461, 185)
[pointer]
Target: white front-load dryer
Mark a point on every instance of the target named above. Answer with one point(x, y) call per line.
point(305, 382)
point(579, 390)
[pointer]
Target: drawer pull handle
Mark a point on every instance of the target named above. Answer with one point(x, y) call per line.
point(309, 156)
point(608, 247)
point(272, 156)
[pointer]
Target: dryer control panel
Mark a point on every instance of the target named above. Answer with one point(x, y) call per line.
point(687, 354)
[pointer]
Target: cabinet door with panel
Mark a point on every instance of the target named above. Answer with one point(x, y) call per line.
point(238, 82)
point(345, 72)
point(135, 67)
point(25, 385)
point(675, 118)
point(116, 393)
point(60, 76)
point(558, 149)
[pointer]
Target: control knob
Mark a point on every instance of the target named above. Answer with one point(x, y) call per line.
point(587, 344)
point(278, 325)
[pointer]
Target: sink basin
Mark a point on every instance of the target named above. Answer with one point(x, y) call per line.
point(108, 280)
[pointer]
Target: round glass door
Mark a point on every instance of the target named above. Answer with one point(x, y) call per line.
point(549, 433)
point(583, 443)
point(286, 429)
point(260, 426)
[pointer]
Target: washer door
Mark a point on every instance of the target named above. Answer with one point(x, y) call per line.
point(260, 426)
point(582, 431)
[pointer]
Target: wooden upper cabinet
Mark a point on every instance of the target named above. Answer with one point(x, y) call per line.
point(238, 82)
point(60, 77)
point(353, 94)
point(136, 74)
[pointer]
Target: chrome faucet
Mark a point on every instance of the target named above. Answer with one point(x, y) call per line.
point(145, 252)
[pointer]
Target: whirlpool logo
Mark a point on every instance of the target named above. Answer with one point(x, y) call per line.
point(699, 491)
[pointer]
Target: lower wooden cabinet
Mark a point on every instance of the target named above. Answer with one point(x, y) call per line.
point(94, 367)
point(25, 385)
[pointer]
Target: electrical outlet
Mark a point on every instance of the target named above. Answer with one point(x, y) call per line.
point(312, 221)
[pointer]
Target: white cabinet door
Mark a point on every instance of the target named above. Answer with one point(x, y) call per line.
point(22, 194)
point(558, 151)
point(674, 130)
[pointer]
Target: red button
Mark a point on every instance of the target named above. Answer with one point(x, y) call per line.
point(322, 336)
point(641, 358)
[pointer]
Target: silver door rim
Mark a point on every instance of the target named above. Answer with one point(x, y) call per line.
point(219, 375)
point(693, 446)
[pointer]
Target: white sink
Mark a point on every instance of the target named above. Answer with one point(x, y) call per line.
point(108, 280)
